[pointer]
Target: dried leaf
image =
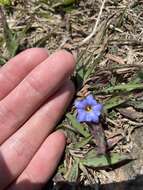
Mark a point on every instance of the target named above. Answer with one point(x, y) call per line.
point(136, 104)
point(114, 141)
point(115, 58)
point(73, 175)
point(131, 113)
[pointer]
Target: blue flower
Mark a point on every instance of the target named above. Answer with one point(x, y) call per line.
point(88, 110)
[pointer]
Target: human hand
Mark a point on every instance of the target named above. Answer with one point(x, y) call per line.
point(34, 92)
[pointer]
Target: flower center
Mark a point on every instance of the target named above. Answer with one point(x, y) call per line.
point(88, 108)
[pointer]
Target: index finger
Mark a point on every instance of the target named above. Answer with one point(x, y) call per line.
point(16, 69)
point(33, 91)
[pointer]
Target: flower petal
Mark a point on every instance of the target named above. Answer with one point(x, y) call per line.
point(92, 117)
point(96, 119)
point(97, 109)
point(90, 100)
point(88, 117)
point(81, 116)
point(80, 104)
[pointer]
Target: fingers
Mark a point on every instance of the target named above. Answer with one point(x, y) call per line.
point(26, 98)
point(43, 164)
point(12, 73)
point(19, 149)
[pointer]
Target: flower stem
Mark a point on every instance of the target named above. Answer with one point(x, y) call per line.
point(99, 137)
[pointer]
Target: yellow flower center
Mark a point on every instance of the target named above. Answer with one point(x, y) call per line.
point(88, 108)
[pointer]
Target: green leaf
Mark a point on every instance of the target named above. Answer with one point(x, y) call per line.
point(80, 128)
point(73, 175)
point(83, 142)
point(68, 2)
point(101, 161)
point(94, 160)
point(5, 2)
point(80, 70)
point(57, 3)
point(114, 102)
point(123, 87)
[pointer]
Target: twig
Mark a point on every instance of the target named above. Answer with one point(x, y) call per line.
point(136, 123)
point(95, 27)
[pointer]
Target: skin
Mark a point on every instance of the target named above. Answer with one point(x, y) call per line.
point(34, 91)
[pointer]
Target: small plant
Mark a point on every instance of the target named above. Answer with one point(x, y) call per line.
point(5, 2)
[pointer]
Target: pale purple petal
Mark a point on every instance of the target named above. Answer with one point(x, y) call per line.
point(92, 117)
point(81, 117)
point(90, 100)
point(88, 118)
point(80, 104)
point(98, 113)
point(95, 119)
point(97, 107)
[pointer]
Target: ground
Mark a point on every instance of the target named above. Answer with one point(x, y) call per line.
point(106, 37)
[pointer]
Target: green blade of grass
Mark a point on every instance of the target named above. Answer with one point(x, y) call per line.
point(10, 37)
point(78, 126)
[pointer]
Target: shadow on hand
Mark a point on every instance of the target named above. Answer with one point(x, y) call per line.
point(6, 178)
